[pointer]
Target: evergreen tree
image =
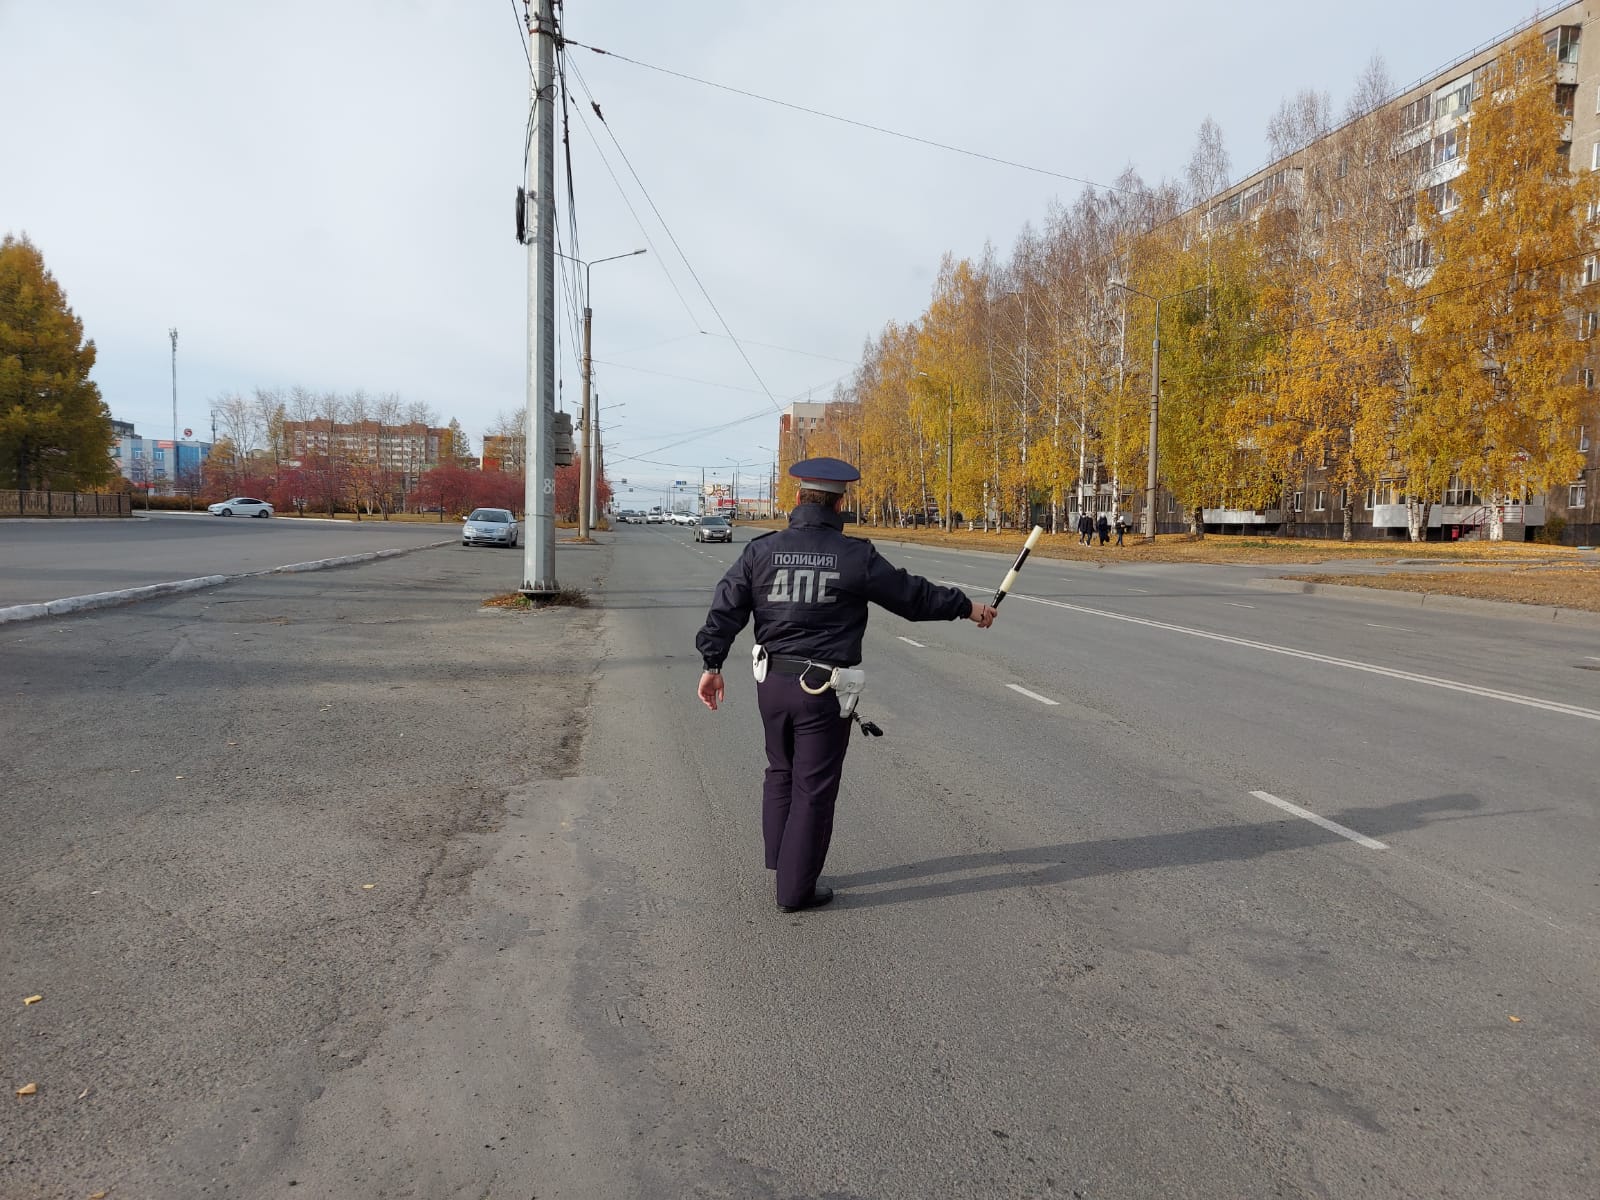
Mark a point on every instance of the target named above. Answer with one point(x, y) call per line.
point(54, 429)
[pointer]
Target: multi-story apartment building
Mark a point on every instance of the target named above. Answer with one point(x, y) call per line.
point(1432, 145)
point(808, 430)
point(408, 450)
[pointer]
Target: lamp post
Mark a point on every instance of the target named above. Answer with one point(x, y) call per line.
point(772, 483)
point(949, 451)
point(585, 460)
point(1149, 531)
point(735, 494)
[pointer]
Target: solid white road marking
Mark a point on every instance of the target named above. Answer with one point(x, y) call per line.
point(1593, 657)
point(1396, 628)
point(1236, 604)
point(909, 642)
point(1332, 826)
point(1031, 695)
point(1350, 664)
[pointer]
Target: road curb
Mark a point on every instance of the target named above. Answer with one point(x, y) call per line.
point(154, 591)
point(1432, 600)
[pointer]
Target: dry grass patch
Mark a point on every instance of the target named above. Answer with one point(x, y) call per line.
point(1220, 548)
point(517, 602)
point(1543, 585)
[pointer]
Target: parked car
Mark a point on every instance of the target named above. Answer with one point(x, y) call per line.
point(713, 529)
point(240, 506)
point(490, 527)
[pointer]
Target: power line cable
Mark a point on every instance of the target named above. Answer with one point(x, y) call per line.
point(582, 83)
point(655, 251)
point(828, 116)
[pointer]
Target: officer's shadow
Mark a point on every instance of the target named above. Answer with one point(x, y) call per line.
point(1041, 866)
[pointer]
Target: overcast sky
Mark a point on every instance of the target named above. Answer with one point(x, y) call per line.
point(320, 192)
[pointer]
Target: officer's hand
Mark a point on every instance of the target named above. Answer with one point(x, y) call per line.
point(982, 615)
point(711, 689)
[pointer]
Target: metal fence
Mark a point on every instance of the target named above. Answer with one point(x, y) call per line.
point(64, 504)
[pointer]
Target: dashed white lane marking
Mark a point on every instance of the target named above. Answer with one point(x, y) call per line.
point(1017, 687)
point(1593, 657)
point(1396, 628)
point(909, 642)
point(1236, 604)
point(1332, 826)
point(1141, 591)
point(1349, 664)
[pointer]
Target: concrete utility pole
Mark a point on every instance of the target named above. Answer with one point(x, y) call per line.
point(539, 553)
point(584, 467)
point(1149, 522)
point(588, 487)
point(596, 467)
point(172, 467)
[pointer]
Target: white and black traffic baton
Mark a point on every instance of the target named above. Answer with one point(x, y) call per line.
point(1011, 575)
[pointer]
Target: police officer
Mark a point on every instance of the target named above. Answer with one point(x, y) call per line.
point(808, 587)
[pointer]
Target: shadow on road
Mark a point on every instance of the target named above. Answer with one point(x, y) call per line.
point(1041, 866)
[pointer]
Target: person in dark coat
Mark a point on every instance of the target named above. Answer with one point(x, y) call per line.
point(1103, 528)
point(808, 587)
point(1085, 528)
point(1122, 527)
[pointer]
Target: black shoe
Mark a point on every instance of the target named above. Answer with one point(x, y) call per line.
point(819, 897)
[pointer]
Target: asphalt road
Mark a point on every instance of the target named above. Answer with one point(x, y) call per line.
point(1074, 952)
point(50, 560)
point(1078, 950)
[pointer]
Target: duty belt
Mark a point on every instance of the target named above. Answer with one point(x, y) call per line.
point(787, 664)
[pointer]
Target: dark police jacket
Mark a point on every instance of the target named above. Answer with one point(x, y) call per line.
point(809, 586)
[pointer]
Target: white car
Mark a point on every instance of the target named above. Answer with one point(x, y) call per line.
point(490, 527)
point(240, 506)
point(683, 518)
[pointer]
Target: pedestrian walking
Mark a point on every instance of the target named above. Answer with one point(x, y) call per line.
point(1103, 528)
point(1085, 528)
point(808, 587)
point(1122, 527)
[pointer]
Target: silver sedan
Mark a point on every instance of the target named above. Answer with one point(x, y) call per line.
point(490, 527)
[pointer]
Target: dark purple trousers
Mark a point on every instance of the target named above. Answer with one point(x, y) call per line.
point(806, 744)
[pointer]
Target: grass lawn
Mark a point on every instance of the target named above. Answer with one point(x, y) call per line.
point(1519, 572)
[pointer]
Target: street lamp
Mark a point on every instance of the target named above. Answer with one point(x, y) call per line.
point(736, 466)
point(949, 451)
point(1155, 401)
point(585, 459)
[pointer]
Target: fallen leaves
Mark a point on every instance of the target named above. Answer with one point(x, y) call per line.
point(27, 1000)
point(367, 887)
point(28, 1089)
point(1514, 1020)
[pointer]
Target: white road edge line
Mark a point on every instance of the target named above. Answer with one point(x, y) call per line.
point(909, 642)
point(1396, 628)
point(1017, 687)
point(1331, 826)
point(1470, 689)
point(1236, 604)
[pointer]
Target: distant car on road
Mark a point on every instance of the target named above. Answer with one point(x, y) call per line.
point(713, 529)
point(683, 518)
point(240, 506)
point(655, 518)
point(490, 527)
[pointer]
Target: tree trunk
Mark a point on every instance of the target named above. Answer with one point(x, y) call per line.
point(1417, 518)
point(1348, 534)
point(1497, 520)
point(1197, 523)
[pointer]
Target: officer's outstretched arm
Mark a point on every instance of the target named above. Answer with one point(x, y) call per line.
point(911, 596)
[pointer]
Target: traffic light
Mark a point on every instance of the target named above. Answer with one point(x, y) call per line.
point(565, 452)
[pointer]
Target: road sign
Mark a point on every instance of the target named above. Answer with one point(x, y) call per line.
point(188, 433)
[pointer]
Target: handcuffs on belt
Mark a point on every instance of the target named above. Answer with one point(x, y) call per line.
point(847, 682)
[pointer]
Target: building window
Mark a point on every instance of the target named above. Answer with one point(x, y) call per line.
point(1587, 324)
point(1591, 270)
point(1578, 495)
point(1172, 505)
point(1583, 438)
point(1444, 148)
point(1372, 499)
point(1319, 501)
point(1417, 112)
point(1297, 502)
point(1563, 43)
point(1566, 98)
point(1586, 377)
